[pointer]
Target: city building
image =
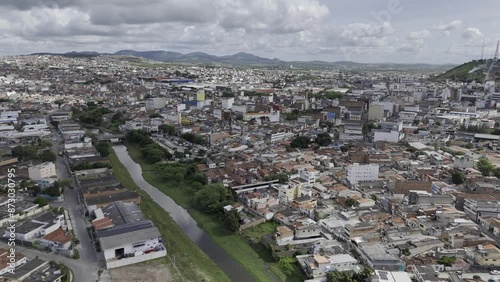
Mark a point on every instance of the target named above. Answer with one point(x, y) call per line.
point(42, 171)
point(358, 172)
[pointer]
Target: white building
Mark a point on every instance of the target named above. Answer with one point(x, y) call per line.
point(41, 171)
point(227, 103)
point(280, 136)
point(465, 161)
point(391, 276)
point(357, 173)
point(389, 132)
point(132, 125)
point(407, 116)
point(39, 226)
point(309, 176)
point(316, 266)
point(155, 103)
point(131, 243)
point(9, 116)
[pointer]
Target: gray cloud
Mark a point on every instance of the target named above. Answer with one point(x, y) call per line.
point(288, 29)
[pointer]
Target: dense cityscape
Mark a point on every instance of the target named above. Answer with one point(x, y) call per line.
point(162, 166)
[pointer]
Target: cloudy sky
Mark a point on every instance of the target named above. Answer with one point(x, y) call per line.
point(402, 31)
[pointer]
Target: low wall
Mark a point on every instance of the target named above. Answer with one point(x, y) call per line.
point(133, 260)
point(253, 223)
point(31, 213)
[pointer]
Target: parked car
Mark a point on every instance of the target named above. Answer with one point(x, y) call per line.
point(495, 272)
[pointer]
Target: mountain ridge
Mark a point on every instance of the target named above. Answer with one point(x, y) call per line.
point(245, 59)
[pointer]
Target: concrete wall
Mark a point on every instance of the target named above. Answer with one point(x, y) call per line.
point(253, 223)
point(133, 260)
point(129, 248)
point(24, 216)
point(91, 171)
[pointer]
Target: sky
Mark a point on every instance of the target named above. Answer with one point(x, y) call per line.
point(366, 31)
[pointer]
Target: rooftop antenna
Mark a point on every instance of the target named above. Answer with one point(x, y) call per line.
point(482, 51)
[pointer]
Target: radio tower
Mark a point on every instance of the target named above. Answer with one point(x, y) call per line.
point(482, 51)
point(496, 52)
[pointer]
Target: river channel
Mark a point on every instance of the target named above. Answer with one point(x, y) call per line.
point(232, 268)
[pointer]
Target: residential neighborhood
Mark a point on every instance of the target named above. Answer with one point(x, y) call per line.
point(380, 176)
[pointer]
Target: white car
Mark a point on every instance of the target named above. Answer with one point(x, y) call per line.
point(495, 272)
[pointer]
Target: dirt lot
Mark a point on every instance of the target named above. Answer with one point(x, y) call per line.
point(145, 272)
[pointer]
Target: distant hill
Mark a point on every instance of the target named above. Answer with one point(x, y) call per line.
point(249, 60)
point(468, 72)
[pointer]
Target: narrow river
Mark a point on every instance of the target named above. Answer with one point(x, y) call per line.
point(184, 220)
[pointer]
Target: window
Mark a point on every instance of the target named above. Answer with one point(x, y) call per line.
point(139, 244)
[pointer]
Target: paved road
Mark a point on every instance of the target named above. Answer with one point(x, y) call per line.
point(81, 271)
point(86, 268)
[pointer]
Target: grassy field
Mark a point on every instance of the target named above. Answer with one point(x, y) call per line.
point(256, 232)
point(192, 263)
point(254, 258)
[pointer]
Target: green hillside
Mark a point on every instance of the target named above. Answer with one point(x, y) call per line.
point(468, 72)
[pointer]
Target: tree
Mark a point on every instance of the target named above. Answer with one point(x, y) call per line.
point(351, 202)
point(476, 277)
point(323, 139)
point(155, 155)
point(446, 261)
point(485, 166)
point(103, 148)
point(179, 155)
point(118, 117)
point(41, 201)
point(405, 252)
point(294, 115)
point(67, 182)
point(155, 115)
point(286, 264)
point(368, 126)
point(176, 172)
point(212, 198)
point(363, 275)
point(44, 144)
point(301, 142)
point(54, 190)
point(47, 156)
point(24, 153)
point(193, 138)
point(336, 276)
point(283, 178)
point(167, 129)
point(231, 220)
point(457, 178)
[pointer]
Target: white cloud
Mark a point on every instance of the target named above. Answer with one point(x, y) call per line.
point(472, 34)
point(274, 16)
point(417, 35)
point(447, 28)
point(453, 25)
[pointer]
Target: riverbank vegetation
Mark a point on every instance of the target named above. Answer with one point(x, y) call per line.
point(192, 263)
point(204, 203)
